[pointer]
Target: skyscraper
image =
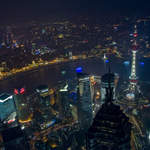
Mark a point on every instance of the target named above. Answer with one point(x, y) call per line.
point(108, 78)
point(65, 111)
point(110, 129)
point(95, 83)
point(43, 95)
point(133, 77)
point(7, 106)
point(85, 111)
point(23, 112)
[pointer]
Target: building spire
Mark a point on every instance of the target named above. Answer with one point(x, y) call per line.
point(133, 78)
point(109, 90)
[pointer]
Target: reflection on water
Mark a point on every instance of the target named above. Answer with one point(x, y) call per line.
point(52, 74)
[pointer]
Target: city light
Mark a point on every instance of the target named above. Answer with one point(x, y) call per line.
point(25, 121)
point(130, 96)
point(126, 63)
point(142, 63)
point(79, 69)
point(22, 91)
point(149, 136)
point(107, 61)
point(10, 121)
point(71, 55)
point(16, 92)
point(135, 35)
point(4, 97)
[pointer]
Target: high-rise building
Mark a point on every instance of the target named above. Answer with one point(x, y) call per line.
point(22, 107)
point(74, 112)
point(44, 105)
point(43, 90)
point(7, 106)
point(64, 104)
point(70, 55)
point(85, 110)
point(107, 79)
point(95, 82)
point(44, 95)
point(111, 129)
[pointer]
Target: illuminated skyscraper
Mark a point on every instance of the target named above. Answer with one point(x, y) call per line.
point(64, 104)
point(106, 79)
point(23, 112)
point(95, 83)
point(70, 55)
point(85, 110)
point(43, 95)
point(7, 106)
point(133, 77)
point(111, 129)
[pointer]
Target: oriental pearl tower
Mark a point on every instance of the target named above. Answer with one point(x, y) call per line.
point(133, 79)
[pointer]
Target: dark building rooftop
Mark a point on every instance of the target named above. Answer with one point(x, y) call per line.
point(111, 128)
point(11, 134)
point(14, 139)
point(109, 77)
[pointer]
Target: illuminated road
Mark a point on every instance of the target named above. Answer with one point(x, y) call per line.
point(38, 136)
point(138, 133)
point(54, 61)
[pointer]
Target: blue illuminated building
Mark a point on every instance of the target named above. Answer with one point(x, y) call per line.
point(142, 63)
point(79, 69)
point(7, 106)
point(126, 63)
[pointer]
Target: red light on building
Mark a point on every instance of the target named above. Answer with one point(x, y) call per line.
point(22, 91)
point(10, 121)
point(85, 41)
point(135, 35)
point(16, 92)
point(134, 47)
point(133, 80)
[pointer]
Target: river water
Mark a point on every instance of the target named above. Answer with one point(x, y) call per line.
point(52, 74)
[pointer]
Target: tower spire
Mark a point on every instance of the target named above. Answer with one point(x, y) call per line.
point(133, 77)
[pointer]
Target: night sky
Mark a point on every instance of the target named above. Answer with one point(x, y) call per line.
point(11, 8)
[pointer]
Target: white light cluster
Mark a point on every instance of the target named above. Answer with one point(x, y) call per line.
point(4, 100)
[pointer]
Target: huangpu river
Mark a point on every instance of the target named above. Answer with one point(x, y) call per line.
point(52, 74)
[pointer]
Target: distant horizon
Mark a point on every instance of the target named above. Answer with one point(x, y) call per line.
point(23, 18)
point(32, 9)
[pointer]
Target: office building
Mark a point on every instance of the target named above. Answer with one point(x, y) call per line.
point(85, 110)
point(111, 129)
point(22, 105)
point(106, 79)
point(7, 107)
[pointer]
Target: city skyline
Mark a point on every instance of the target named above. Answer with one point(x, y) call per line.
point(70, 68)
